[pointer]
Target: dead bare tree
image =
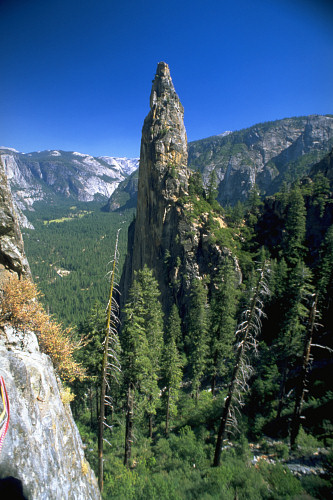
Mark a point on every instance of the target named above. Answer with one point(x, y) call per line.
point(246, 334)
point(111, 365)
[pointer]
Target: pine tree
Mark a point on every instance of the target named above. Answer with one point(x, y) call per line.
point(294, 234)
point(236, 214)
point(254, 201)
point(291, 328)
point(142, 342)
point(195, 186)
point(153, 324)
point(171, 366)
point(135, 357)
point(110, 363)
point(302, 379)
point(222, 321)
point(253, 205)
point(246, 335)
point(321, 192)
point(324, 272)
point(197, 338)
point(93, 331)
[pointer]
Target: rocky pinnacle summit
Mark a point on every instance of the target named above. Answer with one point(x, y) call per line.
point(163, 173)
point(163, 236)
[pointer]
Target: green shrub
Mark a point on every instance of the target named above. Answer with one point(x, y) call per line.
point(317, 487)
point(307, 444)
point(282, 485)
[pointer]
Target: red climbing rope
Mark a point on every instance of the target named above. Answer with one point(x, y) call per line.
point(5, 415)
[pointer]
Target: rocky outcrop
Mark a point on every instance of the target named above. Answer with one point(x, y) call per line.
point(42, 447)
point(126, 194)
point(163, 178)
point(164, 236)
point(12, 256)
point(325, 167)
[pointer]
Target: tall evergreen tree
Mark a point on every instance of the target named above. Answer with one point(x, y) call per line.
point(153, 324)
point(222, 321)
point(92, 329)
point(324, 271)
point(171, 366)
point(246, 335)
point(321, 192)
point(212, 187)
point(302, 379)
point(291, 328)
point(197, 337)
point(253, 206)
point(142, 342)
point(135, 357)
point(110, 362)
point(295, 223)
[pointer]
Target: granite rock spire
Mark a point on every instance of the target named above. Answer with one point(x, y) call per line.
point(164, 236)
point(163, 174)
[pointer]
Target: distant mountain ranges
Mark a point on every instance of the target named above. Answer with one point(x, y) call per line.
point(53, 175)
point(266, 154)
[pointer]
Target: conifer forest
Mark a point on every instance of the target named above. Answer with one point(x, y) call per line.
point(230, 398)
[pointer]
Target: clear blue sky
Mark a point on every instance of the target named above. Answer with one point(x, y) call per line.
point(76, 74)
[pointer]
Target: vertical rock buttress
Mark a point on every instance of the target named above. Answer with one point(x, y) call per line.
point(163, 179)
point(164, 235)
point(163, 175)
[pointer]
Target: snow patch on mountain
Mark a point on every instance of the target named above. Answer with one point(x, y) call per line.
point(41, 175)
point(10, 149)
point(79, 154)
point(127, 165)
point(224, 134)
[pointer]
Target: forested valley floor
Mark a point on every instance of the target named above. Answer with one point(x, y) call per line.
point(69, 252)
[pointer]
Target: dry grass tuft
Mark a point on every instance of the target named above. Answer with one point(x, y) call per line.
point(19, 306)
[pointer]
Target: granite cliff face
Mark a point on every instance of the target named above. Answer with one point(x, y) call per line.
point(126, 194)
point(266, 154)
point(12, 254)
point(164, 236)
point(46, 174)
point(42, 447)
point(163, 174)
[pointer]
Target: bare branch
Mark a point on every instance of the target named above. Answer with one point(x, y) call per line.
point(322, 347)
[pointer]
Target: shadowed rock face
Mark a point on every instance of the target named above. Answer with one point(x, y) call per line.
point(12, 256)
point(325, 166)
